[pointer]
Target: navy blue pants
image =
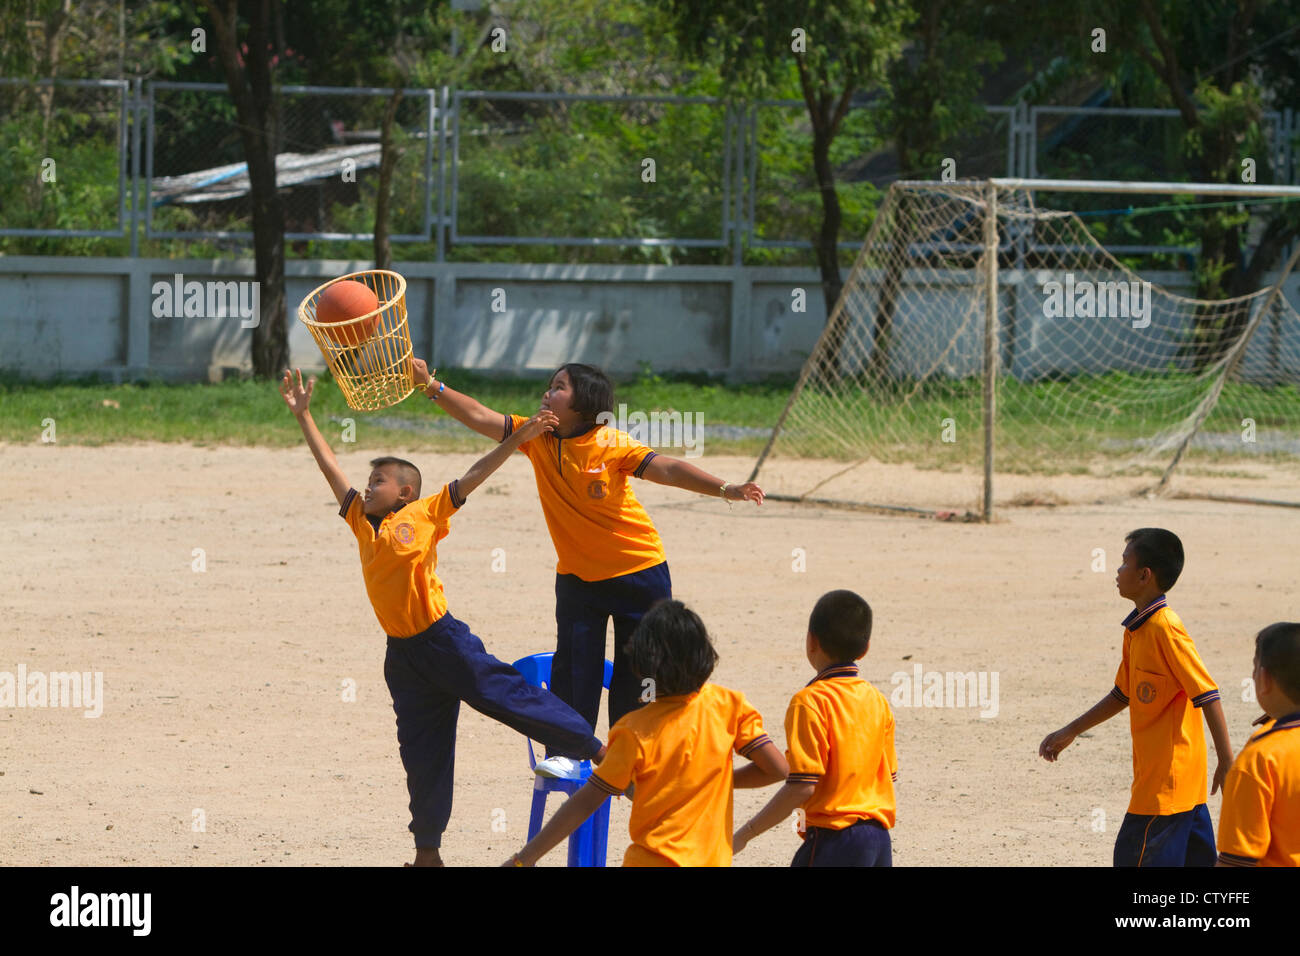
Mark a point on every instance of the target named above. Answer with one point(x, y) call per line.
point(582, 613)
point(865, 843)
point(428, 676)
point(1174, 839)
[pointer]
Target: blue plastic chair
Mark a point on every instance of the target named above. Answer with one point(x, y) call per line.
point(589, 843)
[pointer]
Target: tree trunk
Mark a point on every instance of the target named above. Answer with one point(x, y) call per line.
point(257, 106)
point(387, 162)
point(55, 23)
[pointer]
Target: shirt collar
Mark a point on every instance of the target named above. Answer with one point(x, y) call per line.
point(581, 434)
point(1288, 720)
point(377, 520)
point(1137, 618)
point(835, 670)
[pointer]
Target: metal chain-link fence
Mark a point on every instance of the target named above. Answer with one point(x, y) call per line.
point(66, 158)
point(99, 159)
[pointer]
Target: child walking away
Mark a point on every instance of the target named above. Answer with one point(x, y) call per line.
point(673, 756)
point(1163, 683)
point(610, 561)
point(839, 735)
point(434, 661)
point(1259, 823)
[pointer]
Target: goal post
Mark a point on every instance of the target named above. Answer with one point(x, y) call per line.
point(981, 338)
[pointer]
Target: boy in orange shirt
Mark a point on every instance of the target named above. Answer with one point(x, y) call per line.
point(839, 735)
point(1259, 823)
point(1163, 683)
point(673, 756)
point(433, 661)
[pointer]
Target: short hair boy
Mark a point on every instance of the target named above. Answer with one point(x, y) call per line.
point(840, 748)
point(1162, 682)
point(1259, 823)
point(434, 661)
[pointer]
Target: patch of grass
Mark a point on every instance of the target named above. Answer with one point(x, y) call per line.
point(247, 412)
point(1043, 427)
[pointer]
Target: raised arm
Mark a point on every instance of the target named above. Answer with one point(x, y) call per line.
point(298, 398)
point(681, 474)
point(497, 456)
point(464, 409)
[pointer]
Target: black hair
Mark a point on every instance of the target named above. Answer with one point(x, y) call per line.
point(841, 622)
point(407, 474)
point(671, 647)
point(1277, 648)
point(593, 392)
point(1159, 550)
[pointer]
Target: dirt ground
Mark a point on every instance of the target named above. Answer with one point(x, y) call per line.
point(226, 737)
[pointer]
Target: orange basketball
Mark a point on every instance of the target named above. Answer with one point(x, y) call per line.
point(344, 301)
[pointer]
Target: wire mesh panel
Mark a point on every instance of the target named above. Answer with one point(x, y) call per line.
point(575, 170)
point(1091, 143)
point(66, 156)
point(194, 150)
point(328, 156)
point(783, 196)
point(784, 199)
point(332, 189)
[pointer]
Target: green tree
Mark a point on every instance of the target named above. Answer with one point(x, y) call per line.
point(833, 51)
point(931, 103)
point(247, 50)
point(1220, 65)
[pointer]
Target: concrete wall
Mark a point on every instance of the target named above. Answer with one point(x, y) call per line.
point(68, 316)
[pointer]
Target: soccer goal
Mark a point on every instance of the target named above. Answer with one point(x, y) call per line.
point(980, 339)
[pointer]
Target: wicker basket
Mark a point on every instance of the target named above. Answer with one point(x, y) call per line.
point(370, 356)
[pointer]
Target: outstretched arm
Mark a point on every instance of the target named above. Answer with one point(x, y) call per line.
point(681, 474)
point(298, 398)
point(568, 818)
point(1103, 710)
point(494, 459)
point(464, 409)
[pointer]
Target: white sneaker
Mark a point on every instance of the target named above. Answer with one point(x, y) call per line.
point(561, 768)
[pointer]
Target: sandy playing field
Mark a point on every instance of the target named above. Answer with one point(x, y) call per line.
point(225, 736)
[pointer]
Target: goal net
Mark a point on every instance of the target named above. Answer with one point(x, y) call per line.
point(1090, 382)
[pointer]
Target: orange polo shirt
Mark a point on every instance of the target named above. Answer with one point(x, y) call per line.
point(839, 735)
point(1259, 824)
point(1163, 682)
point(398, 557)
point(677, 751)
point(598, 527)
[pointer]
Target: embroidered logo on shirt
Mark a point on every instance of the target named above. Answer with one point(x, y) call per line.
point(1146, 692)
point(404, 533)
point(596, 489)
